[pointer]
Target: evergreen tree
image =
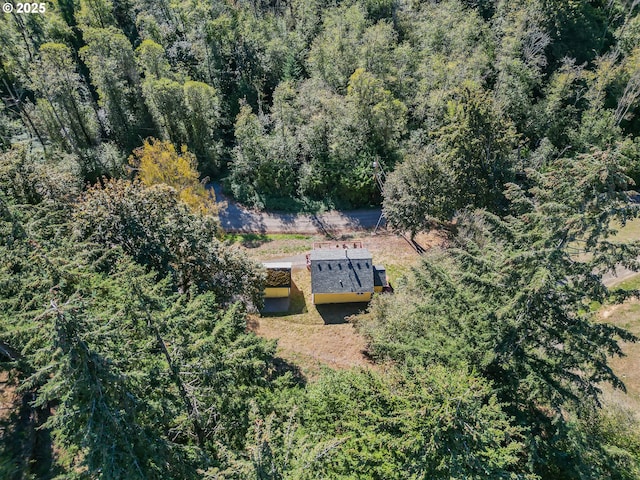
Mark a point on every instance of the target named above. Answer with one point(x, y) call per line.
point(510, 298)
point(154, 227)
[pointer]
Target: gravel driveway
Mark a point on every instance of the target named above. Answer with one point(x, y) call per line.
point(235, 218)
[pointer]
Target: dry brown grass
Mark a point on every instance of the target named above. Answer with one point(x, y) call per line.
point(627, 368)
point(310, 346)
point(311, 337)
point(9, 399)
point(396, 254)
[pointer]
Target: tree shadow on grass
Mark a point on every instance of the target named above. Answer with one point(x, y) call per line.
point(282, 366)
point(297, 304)
point(415, 245)
point(25, 447)
point(254, 240)
point(337, 313)
point(248, 240)
point(279, 365)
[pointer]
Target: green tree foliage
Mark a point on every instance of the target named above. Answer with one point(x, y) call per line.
point(157, 230)
point(520, 59)
point(111, 62)
point(468, 164)
point(335, 51)
point(245, 56)
point(419, 193)
point(318, 145)
point(452, 46)
point(183, 112)
point(383, 116)
point(252, 172)
point(477, 144)
point(459, 429)
point(130, 378)
point(196, 65)
point(121, 314)
point(581, 30)
point(96, 13)
point(151, 58)
point(203, 109)
point(25, 178)
point(143, 382)
point(166, 105)
point(66, 110)
point(512, 299)
point(366, 424)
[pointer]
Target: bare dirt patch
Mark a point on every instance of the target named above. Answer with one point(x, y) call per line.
point(608, 310)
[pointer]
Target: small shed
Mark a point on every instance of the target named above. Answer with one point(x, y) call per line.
point(278, 282)
point(379, 278)
point(341, 275)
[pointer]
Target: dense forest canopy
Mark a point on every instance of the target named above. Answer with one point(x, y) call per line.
point(306, 95)
point(512, 126)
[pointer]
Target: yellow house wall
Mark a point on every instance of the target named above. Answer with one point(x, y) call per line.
point(276, 292)
point(322, 298)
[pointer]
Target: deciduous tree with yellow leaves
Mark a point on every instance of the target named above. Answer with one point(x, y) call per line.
point(157, 161)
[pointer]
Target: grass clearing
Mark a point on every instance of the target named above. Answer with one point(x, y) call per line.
point(627, 316)
point(311, 346)
point(251, 240)
point(312, 336)
point(261, 246)
point(629, 233)
point(269, 237)
point(632, 283)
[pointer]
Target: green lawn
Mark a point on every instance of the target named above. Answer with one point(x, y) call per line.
point(632, 283)
point(254, 240)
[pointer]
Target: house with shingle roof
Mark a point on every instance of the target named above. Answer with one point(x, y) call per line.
point(343, 275)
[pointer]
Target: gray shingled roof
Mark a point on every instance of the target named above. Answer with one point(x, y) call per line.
point(341, 271)
point(379, 276)
point(340, 253)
